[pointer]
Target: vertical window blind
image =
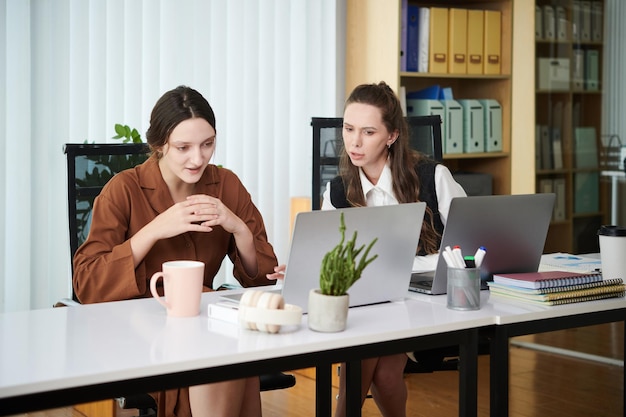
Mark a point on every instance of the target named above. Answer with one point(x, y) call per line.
point(72, 69)
point(614, 65)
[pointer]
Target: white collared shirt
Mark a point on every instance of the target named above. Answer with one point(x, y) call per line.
point(380, 194)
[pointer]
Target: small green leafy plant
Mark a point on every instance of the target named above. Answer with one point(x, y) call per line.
point(127, 133)
point(340, 268)
point(99, 170)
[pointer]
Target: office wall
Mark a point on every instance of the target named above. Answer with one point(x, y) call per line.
point(70, 70)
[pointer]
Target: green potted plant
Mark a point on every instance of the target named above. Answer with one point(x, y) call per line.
point(99, 169)
point(340, 269)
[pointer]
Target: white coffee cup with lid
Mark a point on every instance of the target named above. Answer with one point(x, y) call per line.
point(613, 251)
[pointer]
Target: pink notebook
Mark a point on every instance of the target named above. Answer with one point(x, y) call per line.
point(545, 279)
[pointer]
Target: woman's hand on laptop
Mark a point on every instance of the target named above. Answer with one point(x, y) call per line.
point(279, 272)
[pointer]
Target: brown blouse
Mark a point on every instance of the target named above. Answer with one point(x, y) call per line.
point(103, 265)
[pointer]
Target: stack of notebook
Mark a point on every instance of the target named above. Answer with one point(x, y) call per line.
point(555, 287)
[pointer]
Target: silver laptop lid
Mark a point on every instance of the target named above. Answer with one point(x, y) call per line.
point(315, 233)
point(512, 228)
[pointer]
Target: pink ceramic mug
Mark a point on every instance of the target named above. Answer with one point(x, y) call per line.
point(182, 286)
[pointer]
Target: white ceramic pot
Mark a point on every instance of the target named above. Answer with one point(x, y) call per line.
point(327, 313)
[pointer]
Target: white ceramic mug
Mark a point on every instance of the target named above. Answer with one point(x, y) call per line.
point(613, 251)
point(182, 286)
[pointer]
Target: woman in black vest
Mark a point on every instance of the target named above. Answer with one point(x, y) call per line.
point(378, 168)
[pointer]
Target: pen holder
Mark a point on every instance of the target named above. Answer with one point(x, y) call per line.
point(463, 288)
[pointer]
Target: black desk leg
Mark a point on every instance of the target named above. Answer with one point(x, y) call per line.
point(353, 389)
point(468, 374)
point(499, 373)
point(323, 392)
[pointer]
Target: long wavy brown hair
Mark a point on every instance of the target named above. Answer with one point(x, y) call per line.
point(403, 159)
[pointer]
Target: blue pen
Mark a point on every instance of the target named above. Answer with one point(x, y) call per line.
point(479, 256)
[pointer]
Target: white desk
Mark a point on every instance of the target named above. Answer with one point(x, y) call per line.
point(513, 318)
point(516, 319)
point(57, 357)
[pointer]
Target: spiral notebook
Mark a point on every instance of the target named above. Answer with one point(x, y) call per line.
point(545, 279)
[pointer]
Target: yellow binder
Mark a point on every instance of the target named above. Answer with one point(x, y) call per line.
point(493, 42)
point(475, 26)
point(457, 41)
point(438, 44)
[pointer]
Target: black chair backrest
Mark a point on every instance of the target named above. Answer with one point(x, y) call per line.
point(424, 136)
point(89, 167)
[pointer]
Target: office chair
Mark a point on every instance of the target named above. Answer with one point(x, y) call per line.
point(424, 136)
point(89, 168)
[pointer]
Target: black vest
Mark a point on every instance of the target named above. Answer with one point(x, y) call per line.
point(426, 173)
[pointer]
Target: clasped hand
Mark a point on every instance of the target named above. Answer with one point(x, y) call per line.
point(198, 213)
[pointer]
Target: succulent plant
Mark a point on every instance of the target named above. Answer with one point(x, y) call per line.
point(340, 268)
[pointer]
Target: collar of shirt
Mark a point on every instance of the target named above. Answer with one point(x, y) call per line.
point(380, 194)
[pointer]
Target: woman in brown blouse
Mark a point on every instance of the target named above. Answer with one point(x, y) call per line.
point(177, 205)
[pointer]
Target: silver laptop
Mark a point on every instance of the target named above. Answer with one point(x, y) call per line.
point(512, 228)
point(386, 279)
point(397, 228)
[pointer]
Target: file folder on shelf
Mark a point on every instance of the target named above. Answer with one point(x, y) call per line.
point(561, 23)
point(473, 126)
point(549, 23)
point(538, 23)
point(403, 33)
point(597, 13)
point(432, 92)
point(457, 41)
point(492, 124)
point(452, 127)
point(423, 39)
point(412, 32)
point(592, 80)
point(475, 27)
point(553, 73)
point(585, 21)
point(559, 205)
point(586, 195)
point(492, 42)
point(576, 20)
point(585, 147)
point(438, 47)
point(578, 69)
point(425, 107)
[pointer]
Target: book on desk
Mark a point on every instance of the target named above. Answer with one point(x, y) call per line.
point(555, 287)
point(546, 279)
point(562, 295)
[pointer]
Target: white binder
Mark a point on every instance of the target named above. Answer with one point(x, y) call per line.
point(425, 107)
point(538, 23)
point(578, 69)
point(561, 23)
point(549, 23)
point(597, 12)
point(493, 125)
point(452, 127)
point(473, 126)
point(585, 21)
point(576, 20)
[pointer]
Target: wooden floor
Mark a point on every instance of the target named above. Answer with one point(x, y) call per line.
point(541, 384)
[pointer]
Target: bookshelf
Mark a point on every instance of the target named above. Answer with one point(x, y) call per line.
point(568, 108)
point(374, 32)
